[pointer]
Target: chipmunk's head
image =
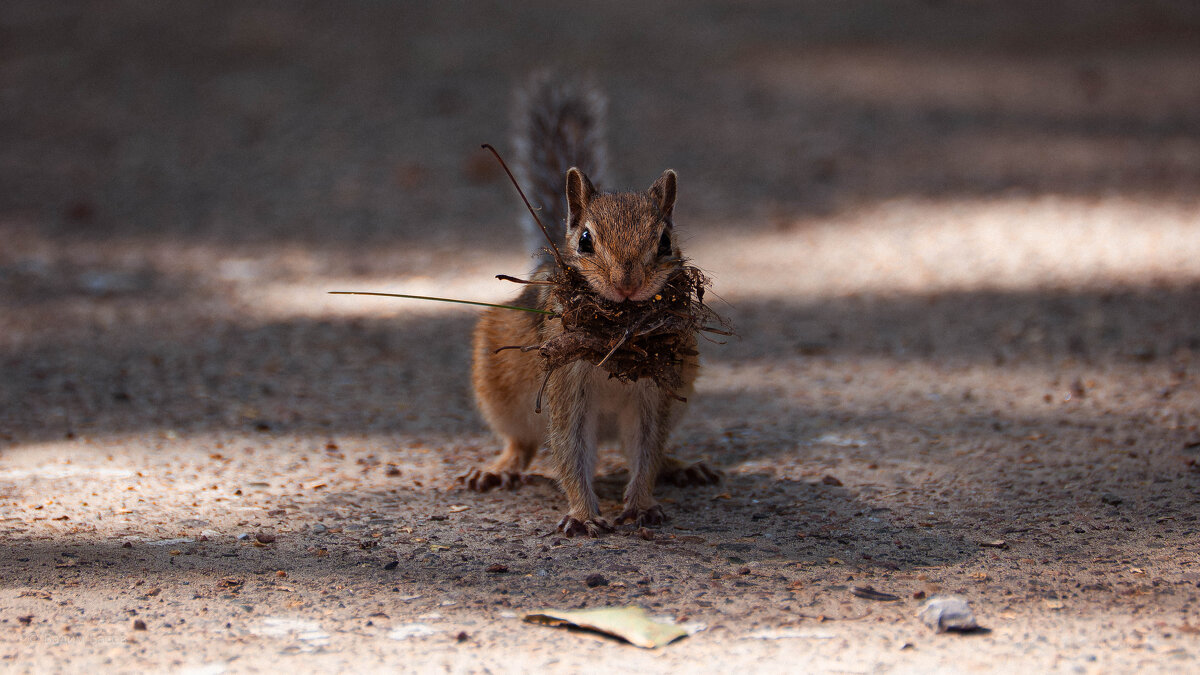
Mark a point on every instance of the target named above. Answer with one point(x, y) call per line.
point(622, 243)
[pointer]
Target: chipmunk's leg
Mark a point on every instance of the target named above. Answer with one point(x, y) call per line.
point(678, 472)
point(671, 469)
point(504, 383)
point(573, 447)
point(507, 472)
point(644, 429)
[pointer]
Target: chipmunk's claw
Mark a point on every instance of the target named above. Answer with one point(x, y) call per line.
point(479, 480)
point(643, 517)
point(592, 527)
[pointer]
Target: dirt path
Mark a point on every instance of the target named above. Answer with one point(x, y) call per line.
point(961, 247)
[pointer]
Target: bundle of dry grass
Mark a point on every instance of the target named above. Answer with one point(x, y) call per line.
point(630, 340)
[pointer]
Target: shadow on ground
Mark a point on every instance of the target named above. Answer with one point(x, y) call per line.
point(410, 374)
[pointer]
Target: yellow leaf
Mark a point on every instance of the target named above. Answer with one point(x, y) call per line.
point(630, 623)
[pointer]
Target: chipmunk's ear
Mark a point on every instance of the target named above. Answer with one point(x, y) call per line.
point(663, 192)
point(579, 194)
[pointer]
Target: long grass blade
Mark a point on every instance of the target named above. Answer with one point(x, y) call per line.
point(426, 297)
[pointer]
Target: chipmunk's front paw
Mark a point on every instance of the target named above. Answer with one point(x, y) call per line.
point(643, 517)
point(592, 527)
point(483, 480)
point(686, 475)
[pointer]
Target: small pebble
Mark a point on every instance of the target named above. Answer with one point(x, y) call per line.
point(948, 613)
point(594, 580)
point(138, 624)
point(496, 568)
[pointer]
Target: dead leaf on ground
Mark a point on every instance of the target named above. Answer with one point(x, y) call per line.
point(630, 623)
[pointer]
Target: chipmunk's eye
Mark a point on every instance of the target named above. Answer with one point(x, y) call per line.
point(664, 244)
point(586, 245)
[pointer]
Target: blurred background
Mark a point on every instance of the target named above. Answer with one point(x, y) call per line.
point(181, 182)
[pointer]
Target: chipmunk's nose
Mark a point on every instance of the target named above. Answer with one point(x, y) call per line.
point(625, 292)
point(628, 283)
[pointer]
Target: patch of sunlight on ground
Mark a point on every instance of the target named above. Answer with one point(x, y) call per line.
point(919, 246)
point(311, 297)
point(930, 246)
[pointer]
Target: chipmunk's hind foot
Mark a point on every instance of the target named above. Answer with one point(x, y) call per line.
point(679, 474)
point(592, 527)
point(652, 516)
point(483, 480)
point(507, 472)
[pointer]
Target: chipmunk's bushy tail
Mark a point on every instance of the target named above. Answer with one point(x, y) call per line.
point(556, 125)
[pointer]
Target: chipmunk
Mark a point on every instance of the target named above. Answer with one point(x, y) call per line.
point(625, 246)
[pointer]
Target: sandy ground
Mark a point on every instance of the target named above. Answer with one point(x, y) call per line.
point(960, 243)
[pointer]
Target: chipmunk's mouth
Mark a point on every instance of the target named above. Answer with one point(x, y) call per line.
point(632, 286)
point(643, 294)
point(635, 287)
point(617, 294)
